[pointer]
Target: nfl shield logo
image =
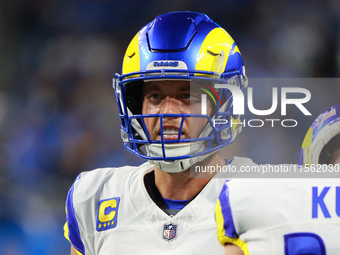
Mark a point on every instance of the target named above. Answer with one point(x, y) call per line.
point(169, 232)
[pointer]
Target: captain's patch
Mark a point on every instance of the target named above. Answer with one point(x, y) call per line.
point(107, 213)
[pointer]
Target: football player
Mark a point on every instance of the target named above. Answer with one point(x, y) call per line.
point(169, 67)
point(287, 216)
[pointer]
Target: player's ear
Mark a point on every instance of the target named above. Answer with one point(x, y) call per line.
point(134, 100)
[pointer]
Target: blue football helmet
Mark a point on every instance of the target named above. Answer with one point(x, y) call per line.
point(321, 137)
point(179, 46)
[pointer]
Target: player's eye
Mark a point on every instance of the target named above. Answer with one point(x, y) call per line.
point(186, 96)
point(155, 96)
point(190, 98)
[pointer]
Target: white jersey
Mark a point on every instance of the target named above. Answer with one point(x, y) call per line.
point(109, 211)
point(280, 216)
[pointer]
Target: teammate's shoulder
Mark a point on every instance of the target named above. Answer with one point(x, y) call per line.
point(242, 161)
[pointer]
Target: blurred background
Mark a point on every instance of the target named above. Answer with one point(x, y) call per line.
point(58, 114)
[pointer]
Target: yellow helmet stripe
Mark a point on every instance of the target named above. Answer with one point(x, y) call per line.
point(211, 48)
point(307, 142)
point(131, 61)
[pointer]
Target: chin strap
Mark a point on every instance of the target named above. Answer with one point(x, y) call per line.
point(173, 150)
point(178, 166)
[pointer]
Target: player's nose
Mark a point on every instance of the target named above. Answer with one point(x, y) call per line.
point(170, 105)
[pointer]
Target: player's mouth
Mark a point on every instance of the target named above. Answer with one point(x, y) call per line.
point(170, 133)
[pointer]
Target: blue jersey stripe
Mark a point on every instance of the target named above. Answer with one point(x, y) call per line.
point(74, 233)
point(228, 224)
